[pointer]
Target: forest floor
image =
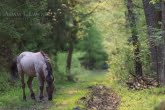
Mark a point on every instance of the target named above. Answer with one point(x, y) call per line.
point(68, 94)
point(66, 97)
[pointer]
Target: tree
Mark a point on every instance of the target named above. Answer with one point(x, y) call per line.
point(73, 28)
point(153, 16)
point(162, 52)
point(64, 30)
point(135, 41)
point(21, 27)
point(94, 56)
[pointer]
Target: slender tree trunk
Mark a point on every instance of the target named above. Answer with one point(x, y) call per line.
point(69, 62)
point(162, 51)
point(153, 17)
point(161, 48)
point(150, 15)
point(135, 41)
point(163, 18)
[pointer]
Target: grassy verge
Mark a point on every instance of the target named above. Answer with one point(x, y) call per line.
point(68, 94)
point(139, 100)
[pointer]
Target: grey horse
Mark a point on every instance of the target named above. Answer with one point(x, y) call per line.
point(34, 65)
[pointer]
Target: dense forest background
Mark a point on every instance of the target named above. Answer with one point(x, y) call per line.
point(54, 26)
point(118, 43)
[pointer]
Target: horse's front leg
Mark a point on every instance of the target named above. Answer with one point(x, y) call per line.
point(23, 86)
point(41, 81)
point(29, 83)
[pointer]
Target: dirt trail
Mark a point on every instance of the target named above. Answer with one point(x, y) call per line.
point(101, 98)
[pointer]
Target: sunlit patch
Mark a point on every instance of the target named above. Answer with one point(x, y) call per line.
point(71, 92)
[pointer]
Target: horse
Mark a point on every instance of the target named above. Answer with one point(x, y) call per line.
point(34, 65)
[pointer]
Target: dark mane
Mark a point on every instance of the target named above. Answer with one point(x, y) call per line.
point(46, 57)
point(49, 68)
point(49, 77)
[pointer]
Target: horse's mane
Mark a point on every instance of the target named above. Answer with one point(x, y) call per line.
point(48, 64)
point(46, 57)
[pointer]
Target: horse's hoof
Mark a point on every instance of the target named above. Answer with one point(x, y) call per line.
point(33, 96)
point(50, 99)
point(41, 97)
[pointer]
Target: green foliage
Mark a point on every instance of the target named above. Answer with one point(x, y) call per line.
point(21, 28)
point(37, 37)
point(154, 1)
point(61, 73)
point(95, 56)
point(4, 83)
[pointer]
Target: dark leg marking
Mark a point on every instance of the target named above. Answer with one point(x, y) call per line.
point(23, 86)
point(41, 92)
point(41, 87)
point(29, 83)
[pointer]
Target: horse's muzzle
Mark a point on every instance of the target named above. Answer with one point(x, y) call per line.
point(49, 98)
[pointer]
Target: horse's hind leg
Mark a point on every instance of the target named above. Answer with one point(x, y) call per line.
point(23, 86)
point(29, 83)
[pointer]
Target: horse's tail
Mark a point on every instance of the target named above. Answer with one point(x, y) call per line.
point(14, 69)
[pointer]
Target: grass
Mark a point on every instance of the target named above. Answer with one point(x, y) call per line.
point(68, 94)
point(141, 100)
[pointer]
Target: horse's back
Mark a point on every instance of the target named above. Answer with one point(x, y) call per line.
point(26, 53)
point(31, 62)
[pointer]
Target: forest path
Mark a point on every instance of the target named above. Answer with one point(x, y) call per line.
point(68, 94)
point(65, 98)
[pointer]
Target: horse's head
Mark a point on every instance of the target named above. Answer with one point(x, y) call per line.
point(49, 80)
point(50, 87)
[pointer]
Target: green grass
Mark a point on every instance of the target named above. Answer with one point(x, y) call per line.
point(68, 94)
point(140, 100)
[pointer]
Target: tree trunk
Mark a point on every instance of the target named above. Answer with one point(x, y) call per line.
point(69, 62)
point(153, 17)
point(135, 41)
point(162, 47)
point(150, 15)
